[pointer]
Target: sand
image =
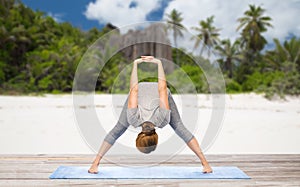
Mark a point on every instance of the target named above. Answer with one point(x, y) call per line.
point(47, 124)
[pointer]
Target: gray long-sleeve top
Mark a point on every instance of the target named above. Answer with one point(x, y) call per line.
point(148, 107)
point(149, 110)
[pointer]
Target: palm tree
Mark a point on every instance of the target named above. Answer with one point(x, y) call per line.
point(288, 52)
point(207, 33)
point(230, 53)
point(174, 23)
point(253, 24)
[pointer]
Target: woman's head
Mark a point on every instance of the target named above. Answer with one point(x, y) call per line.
point(147, 140)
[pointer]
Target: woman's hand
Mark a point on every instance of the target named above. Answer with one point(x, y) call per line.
point(150, 59)
point(138, 61)
point(147, 57)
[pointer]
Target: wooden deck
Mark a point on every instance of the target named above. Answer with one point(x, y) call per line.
point(265, 170)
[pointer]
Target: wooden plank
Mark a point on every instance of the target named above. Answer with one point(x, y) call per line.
point(265, 170)
point(51, 168)
point(147, 183)
point(222, 156)
point(248, 165)
point(253, 175)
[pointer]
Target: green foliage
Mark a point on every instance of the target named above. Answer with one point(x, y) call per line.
point(207, 33)
point(289, 83)
point(111, 78)
point(253, 24)
point(175, 26)
point(191, 78)
point(232, 86)
point(260, 81)
point(288, 51)
point(229, 55)
point(278, 82)
point(40, 55)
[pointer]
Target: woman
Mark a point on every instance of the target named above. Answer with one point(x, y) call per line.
point(149, 105)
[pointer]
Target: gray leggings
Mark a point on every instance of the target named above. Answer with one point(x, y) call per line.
point(175, 123)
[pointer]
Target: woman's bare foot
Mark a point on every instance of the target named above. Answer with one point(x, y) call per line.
point(207, 169)
point(94, 168)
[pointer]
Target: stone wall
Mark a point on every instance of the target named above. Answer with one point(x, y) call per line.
point(152, 40)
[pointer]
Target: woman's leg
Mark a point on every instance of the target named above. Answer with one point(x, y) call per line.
point(194, 146)
point(177, 124)
point(110, 138)
point(103, 149)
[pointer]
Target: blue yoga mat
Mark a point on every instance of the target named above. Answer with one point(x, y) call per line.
point(156, 172)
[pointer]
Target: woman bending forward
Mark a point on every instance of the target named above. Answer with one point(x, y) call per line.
point(149, 105)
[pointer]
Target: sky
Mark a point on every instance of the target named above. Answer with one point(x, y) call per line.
point(87, 14)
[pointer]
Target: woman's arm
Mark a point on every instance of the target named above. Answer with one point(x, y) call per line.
point(162, 83)
point(162, 86)
point(133, 93)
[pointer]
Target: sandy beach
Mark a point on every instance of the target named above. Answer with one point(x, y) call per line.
point(47, 125)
